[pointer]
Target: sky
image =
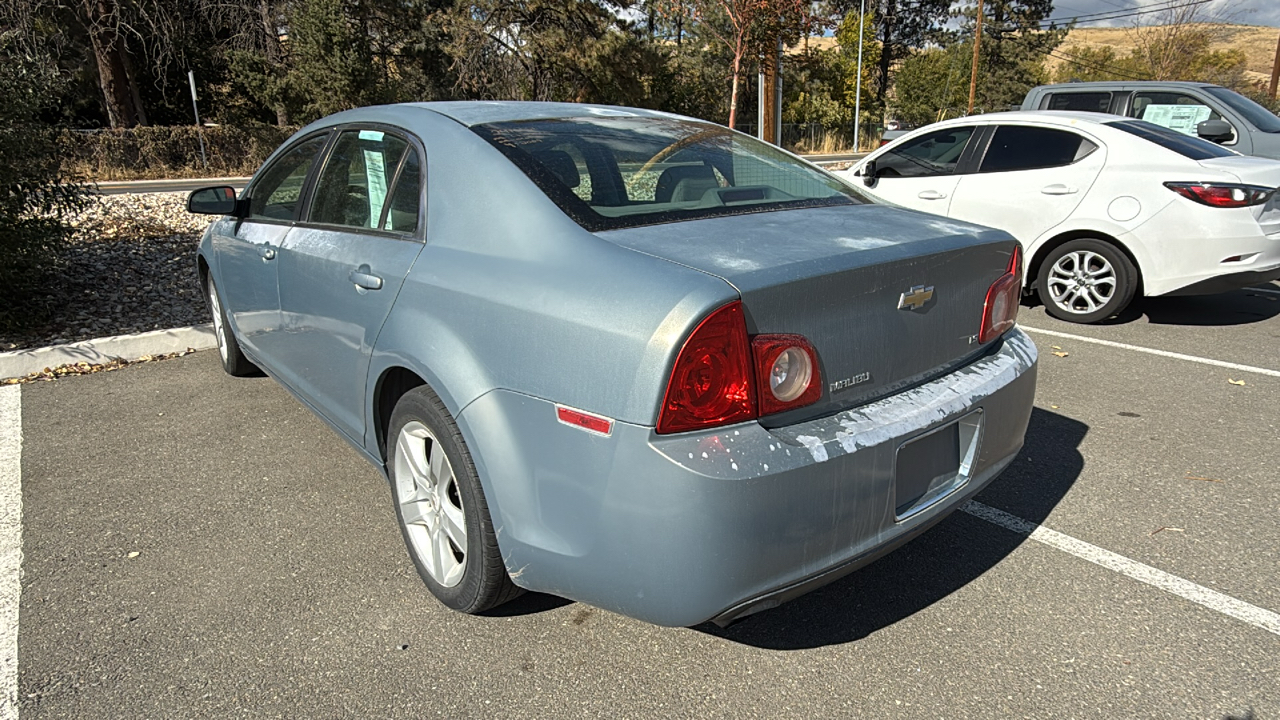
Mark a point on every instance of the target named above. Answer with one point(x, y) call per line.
point(1247, 12)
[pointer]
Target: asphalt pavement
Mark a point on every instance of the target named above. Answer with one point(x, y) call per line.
point(201, 546)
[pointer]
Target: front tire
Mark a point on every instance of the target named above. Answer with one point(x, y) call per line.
point(1086, 281)
point(233, 359)
point(441, 507)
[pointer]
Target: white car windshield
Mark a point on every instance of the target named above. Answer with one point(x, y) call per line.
point(615, 172)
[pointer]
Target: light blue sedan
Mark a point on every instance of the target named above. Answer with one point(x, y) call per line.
point(633, 359)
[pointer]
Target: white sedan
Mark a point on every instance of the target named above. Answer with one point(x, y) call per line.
point(1105, 207)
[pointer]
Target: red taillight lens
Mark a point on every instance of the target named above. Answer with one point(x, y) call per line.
point(711, 382)
point(1222, 195)
point(1000, 311)
point(787, 375)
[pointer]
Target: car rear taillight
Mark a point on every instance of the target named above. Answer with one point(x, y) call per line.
point(711, 382)
point(787, 374)
point(1222, 195)
point(722, 376)
point(1000, 311)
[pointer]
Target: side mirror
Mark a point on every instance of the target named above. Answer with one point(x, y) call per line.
point(1218, 131)
point(869, 174)
point(219, 200)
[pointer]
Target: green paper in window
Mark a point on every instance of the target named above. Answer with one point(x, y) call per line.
point(375, 168)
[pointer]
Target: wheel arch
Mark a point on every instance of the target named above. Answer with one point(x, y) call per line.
point(391, 385)
point(1056, 241)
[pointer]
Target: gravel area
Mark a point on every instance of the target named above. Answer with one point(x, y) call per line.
point(130, 268)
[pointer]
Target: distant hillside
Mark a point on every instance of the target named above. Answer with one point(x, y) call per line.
point(1258, 44)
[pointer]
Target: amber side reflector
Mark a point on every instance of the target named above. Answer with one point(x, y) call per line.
point(584, 420)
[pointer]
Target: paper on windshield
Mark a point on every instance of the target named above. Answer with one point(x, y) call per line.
point(1183, 118)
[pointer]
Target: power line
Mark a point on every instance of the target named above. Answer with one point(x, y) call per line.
point(1114, 15)
point(1101, 68)
point(1159, 5)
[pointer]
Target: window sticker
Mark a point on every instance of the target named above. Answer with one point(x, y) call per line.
point(1182, 118)
point(375, 169)
point(374, 135)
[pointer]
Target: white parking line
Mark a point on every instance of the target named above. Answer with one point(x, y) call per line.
point(1152, 351)
point(1272, 290)
point(10, 544)
point(1212, 599)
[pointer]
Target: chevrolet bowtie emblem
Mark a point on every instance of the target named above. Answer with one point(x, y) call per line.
point(915, 298)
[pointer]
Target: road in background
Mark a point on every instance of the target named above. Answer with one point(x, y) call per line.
point(200, 546)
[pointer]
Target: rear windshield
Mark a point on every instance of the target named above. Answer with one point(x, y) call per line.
point(609, 173)
point(1262, 118)
point(1183, 144)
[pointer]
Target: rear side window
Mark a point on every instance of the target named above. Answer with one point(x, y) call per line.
point(1017, 147)
point(275, 195)
point(1185, 145)
point(353, 187)
point(1086, 101)
point(930, 155)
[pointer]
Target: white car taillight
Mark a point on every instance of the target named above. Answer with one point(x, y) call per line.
point(1222, 195)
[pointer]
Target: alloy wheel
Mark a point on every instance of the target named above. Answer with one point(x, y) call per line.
point(430, 504)
point(1082, 282)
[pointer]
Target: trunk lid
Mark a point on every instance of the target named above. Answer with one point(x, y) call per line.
point(837, 275)
point(1254, 171)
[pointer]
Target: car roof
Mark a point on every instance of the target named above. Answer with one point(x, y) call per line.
point(1049, 117)
point(477, 112)
point(1115, 84)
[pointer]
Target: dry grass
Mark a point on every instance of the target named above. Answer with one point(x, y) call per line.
point(1258, 44)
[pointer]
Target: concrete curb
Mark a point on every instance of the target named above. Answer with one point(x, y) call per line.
point(100, 350)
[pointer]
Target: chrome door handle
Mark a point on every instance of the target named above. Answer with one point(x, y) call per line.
point(931, 195)
point(362, 277)
point(267, 253)
point(1059, 190)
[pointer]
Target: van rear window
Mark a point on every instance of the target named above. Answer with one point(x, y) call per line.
point(1185, 145)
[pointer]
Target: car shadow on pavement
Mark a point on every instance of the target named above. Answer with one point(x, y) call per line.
point(1239, 307)
point(928, 569)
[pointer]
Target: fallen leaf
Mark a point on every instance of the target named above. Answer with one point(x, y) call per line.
point(1055, 407)
point(1056, 347)
point(1235, 382)
point(1063, 354)
point(134, 554)
point(1206, 479)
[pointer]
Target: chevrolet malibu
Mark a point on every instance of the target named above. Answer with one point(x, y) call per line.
point(625, 357)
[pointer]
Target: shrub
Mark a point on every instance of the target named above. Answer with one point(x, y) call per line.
point(152, 153)
point(35, 195)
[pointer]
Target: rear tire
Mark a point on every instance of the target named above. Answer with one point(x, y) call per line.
point(441, 507)
point(1086, 281)
point(233, 359)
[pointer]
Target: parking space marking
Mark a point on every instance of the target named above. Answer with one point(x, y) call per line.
point(1212, 599)
point(1272, 290)
point(10, 544)
point(1153, 351)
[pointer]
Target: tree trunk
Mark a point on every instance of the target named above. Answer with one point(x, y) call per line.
point(733, 95)
point(118, 96)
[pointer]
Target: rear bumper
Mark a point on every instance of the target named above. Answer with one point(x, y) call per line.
point(1228, 282)
point(677, 530)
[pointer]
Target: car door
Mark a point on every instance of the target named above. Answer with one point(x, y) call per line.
point(1029, 180)
point(343, 265)
point(921, 173)
point(247, 249)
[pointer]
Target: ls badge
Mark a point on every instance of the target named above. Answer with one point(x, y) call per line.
point(915, 298)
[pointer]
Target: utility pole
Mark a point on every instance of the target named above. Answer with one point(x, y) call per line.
point(977, 45)
point(1275, 70)
point(857, 85)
